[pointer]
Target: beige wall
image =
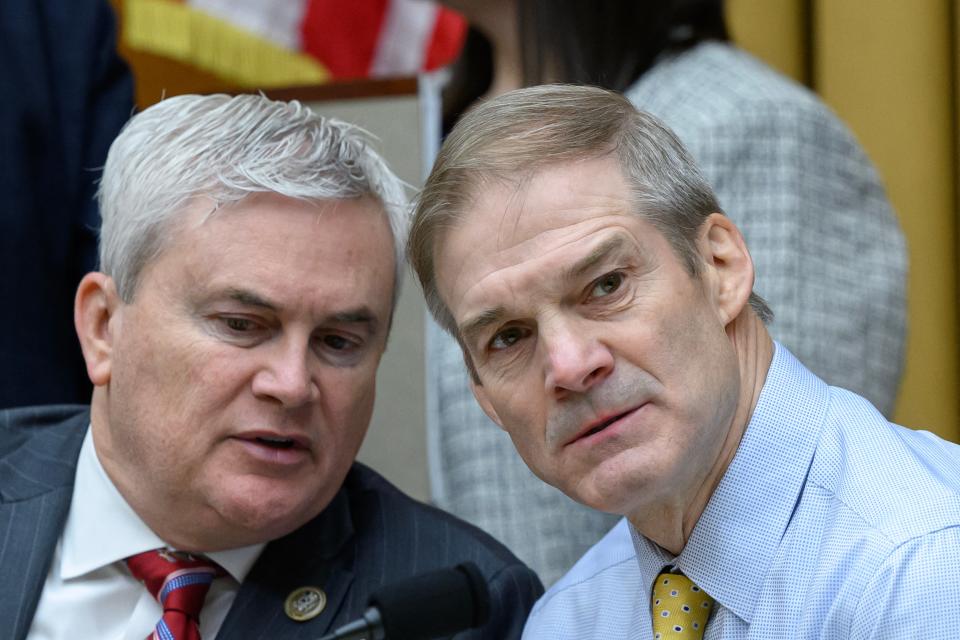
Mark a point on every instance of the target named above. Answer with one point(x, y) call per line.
point(889, 69)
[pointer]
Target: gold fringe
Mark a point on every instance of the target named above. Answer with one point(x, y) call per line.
point(180, 32)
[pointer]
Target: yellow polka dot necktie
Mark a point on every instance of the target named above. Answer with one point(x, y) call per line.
point(680, 608)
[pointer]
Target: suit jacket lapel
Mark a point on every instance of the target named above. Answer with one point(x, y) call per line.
point(29, 530)
point(37, 467)
point(318, 554)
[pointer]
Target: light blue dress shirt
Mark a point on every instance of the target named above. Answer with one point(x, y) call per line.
point(829, 523)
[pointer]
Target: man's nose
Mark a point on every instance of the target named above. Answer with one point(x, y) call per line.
point(576, 359)
point(285, 375)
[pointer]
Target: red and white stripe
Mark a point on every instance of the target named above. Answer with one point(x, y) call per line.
point(355, 38)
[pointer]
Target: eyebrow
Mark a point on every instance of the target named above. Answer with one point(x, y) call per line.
point(250, 298)
point(471, 329)
point(359, 316)
point(599, 254)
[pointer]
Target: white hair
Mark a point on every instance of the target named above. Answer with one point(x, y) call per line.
point(226, 148)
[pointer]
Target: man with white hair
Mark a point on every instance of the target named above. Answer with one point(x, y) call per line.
point(250, 257)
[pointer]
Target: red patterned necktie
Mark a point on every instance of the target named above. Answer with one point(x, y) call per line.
point(179, 582)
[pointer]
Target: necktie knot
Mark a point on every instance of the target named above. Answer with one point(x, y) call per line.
point(179, 582)
point(679, 608)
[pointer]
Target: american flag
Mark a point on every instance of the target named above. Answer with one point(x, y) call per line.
point(287, 42)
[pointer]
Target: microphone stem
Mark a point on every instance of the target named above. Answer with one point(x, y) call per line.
point(369, 627)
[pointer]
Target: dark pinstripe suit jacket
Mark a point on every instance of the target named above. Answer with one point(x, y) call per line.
point(370, 535)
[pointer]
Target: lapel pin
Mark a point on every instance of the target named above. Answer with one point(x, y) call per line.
point(305, 603)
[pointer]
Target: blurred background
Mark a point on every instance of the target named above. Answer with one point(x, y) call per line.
point(890, 69)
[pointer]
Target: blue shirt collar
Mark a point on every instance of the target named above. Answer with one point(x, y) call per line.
point(734, 541)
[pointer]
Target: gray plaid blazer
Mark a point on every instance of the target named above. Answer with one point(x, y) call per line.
point(830, 259)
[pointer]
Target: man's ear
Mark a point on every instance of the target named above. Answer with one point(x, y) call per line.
point(728, 264)
point(480, 393)
point(96, 304)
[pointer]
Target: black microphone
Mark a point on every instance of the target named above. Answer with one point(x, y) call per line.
point(426, 606)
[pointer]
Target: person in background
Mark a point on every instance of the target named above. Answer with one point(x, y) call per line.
point(66, 94)
point(250, 255)
point(606, 310)
point(830, 255)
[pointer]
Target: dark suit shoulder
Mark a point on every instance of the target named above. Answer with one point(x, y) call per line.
point(402, 537)
point(373, 498)
point(39, 448)
point(371, 535)
point(52, 416)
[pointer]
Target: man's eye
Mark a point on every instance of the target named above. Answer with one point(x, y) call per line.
point(338, 343)
point(606, 284)
point(240, 325)
point(341, 350)
point(507, 338)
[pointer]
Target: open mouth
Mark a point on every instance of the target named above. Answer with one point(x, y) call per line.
point(603, 425)
point(274, 448)
point(600, 426)
point(276, 443)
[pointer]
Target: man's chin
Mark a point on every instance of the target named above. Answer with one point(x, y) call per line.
point(261, 515)
point(604, 490)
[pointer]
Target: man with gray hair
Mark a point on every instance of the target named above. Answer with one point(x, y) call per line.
point(250, 255)
point(605, 310)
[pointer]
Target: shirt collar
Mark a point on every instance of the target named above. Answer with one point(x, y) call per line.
point(651, 557)
point(98, 512)
point(733, 543)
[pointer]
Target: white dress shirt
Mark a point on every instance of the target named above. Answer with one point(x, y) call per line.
point(90, 593)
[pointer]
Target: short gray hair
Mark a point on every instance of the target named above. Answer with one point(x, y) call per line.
point(509, 138)
point(226, 148)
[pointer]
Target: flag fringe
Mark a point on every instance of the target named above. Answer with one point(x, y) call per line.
point(178, 31)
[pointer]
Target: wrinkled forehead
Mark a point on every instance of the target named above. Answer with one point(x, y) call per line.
point(514, 208)
point(508, 223)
